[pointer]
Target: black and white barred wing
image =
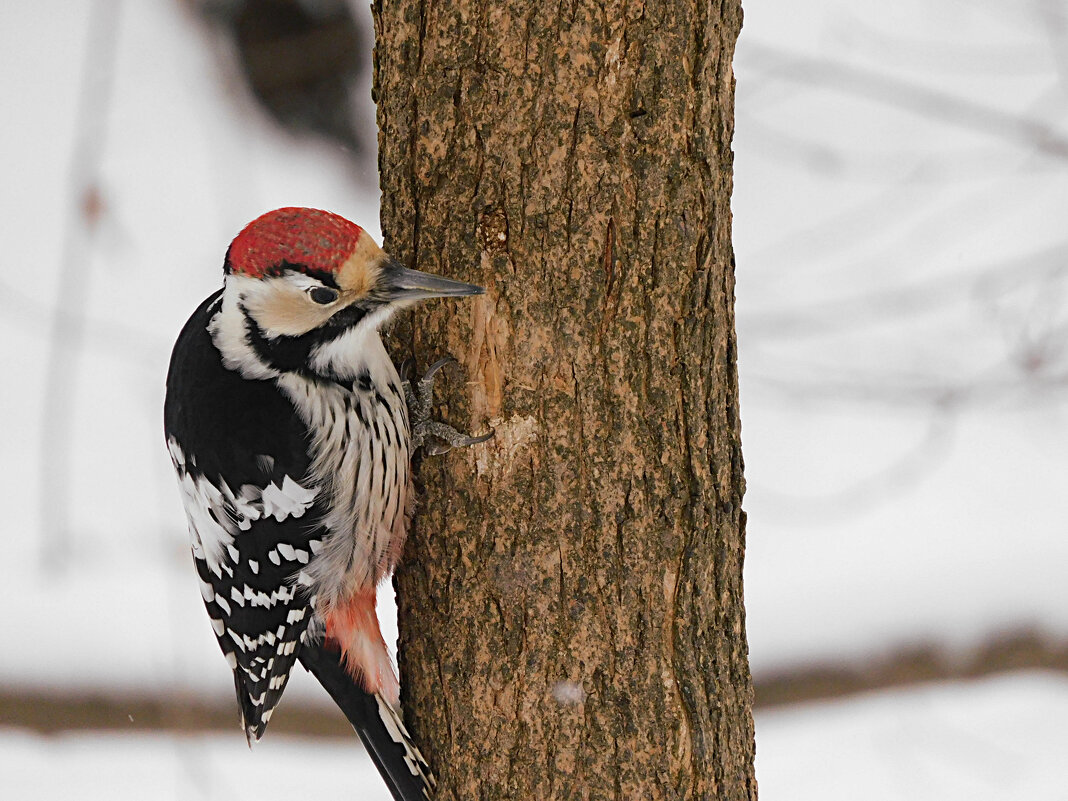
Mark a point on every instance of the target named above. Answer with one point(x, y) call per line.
point(250, 546)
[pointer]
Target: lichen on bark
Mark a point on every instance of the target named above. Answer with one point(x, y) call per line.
point(571, 597)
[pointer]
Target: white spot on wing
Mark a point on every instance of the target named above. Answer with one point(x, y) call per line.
point(289, 500)
point(205, 510)
point(177, 455)
point(216, 515)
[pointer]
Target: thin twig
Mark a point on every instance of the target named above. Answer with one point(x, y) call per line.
point(68, 318)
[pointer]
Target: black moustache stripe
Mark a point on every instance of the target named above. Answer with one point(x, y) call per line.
point(293, 353)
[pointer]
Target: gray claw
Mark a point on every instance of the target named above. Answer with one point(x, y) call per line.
point(420, 398)
point(437, 366)
point(449, 436)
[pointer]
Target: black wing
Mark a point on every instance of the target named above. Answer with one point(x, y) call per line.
point(241, 455)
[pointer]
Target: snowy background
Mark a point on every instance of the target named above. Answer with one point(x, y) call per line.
point(901, 227)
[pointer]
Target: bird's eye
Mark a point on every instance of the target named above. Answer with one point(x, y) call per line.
point(323, 295)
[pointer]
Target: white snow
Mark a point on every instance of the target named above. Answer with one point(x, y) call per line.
point(133, 767)
point(1002, 739)
point(901, 301)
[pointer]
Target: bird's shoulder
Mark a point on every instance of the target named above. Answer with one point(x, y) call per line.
point(226, 423)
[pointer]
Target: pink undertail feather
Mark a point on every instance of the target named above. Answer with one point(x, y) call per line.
point(352, 627)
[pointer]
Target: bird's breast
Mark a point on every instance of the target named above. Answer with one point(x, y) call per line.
point(360, 448)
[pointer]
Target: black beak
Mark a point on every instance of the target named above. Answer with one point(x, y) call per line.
point(401, 284)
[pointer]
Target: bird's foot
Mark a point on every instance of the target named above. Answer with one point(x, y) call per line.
point(433, 436)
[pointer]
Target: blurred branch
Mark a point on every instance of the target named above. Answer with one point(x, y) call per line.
point(65, 342)
point(922, 100)
point(115, 338)
point(990, 334)
point(934, 294)
point(995, 59)
point(867, 492)
point(1019, 302)
point(49, 710)
point(900, 167)
point(1017, 650)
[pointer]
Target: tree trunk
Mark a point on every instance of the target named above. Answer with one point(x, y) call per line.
point(571, 596)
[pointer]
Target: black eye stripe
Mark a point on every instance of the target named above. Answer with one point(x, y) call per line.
point(323, 294)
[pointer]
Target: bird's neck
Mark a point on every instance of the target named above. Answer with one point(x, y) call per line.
point(358, 352)
point(343, 358)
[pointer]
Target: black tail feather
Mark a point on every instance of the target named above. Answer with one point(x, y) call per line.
point(397, 758)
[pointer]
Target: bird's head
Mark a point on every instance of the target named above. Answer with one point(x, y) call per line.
point(301, 278)
point(299, 270)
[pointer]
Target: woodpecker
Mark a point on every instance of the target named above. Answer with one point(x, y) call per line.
point(288, 427)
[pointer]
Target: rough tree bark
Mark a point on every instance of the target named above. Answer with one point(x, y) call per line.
point(571, 597)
